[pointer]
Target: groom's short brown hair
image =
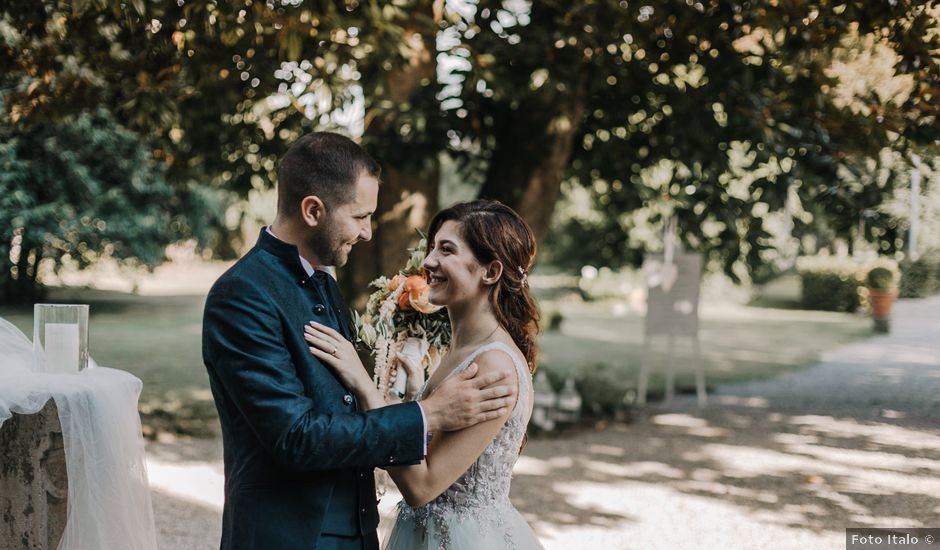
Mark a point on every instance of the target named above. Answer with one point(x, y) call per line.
point(324, 164)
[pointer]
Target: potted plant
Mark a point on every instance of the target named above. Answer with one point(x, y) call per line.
point(882, 292)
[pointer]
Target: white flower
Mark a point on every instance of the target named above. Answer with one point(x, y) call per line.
point(368, 334)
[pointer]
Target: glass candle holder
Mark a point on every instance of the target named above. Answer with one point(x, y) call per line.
point(60, 337)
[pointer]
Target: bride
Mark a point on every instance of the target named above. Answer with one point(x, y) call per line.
point(478, 257)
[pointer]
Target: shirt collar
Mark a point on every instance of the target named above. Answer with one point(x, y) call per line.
point(309, 268)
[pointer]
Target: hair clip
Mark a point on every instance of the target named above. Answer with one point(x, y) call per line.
point(525, 277)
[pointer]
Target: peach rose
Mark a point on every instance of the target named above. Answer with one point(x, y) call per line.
point(422, 304)
point(396, 280)
point(404, 301)
point(415, 295)
point(415, 284)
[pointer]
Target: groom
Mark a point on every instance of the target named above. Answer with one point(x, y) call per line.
point(299, 455)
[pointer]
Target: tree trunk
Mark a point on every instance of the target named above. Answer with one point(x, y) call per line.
point(408, 194)
point(406, 201)
point(526, 173)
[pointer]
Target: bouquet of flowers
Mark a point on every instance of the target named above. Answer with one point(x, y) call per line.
point(400, 321)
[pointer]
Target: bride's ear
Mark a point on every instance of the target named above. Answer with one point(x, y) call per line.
point(312, 210)
point(493, 272)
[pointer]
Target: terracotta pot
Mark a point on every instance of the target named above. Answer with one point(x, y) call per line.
point(881, 301)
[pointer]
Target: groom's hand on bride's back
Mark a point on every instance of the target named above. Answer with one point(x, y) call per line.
point(467, 399)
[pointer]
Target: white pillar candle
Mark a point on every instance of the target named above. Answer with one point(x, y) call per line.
point(61, 350)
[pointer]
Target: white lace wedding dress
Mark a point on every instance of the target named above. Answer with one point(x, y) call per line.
point(475, 513)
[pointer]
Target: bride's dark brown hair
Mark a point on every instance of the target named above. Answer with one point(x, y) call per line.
point(496, 232)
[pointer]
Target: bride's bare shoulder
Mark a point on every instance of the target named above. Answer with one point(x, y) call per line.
point(498, 360)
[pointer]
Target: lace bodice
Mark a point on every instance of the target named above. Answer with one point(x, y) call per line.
point(483, 490)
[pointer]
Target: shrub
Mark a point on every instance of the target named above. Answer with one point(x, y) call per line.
point(555, 318)
point(605, 390)
point(829, 291)
point(918, 278)
point(836, 284)
point(829, 284)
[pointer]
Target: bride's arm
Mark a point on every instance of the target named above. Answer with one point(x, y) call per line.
point(450, 454)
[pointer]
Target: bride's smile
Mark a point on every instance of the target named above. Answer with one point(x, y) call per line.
point(454, 273)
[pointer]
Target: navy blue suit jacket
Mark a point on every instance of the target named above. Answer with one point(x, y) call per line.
point(299, 455)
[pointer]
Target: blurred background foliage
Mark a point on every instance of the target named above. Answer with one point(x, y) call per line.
point(767, 128)
point(86, 188)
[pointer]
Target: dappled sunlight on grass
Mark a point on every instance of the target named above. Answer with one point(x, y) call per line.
point(185, 522)
point(187, 488)
point(633, 469)
point(735, 464)
point(607, 450)
point(658, 516)
point(877, 434)
point(755, 402)
point(529, 466)
point(691, 424)
point(894, 462)
point(198, 482)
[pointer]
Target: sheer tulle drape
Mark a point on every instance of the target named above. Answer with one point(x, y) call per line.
point(109, 496)
point(21, 391)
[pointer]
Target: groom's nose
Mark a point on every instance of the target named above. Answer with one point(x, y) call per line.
point(365, 233)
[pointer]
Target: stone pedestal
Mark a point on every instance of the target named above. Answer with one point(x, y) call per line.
point(33, 481)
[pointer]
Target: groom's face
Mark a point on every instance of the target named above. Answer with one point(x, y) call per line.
point(347, 224)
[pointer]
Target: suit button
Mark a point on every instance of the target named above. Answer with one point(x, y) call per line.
point(347, 399)
point(319, 309)
point(391, 459)
point(303, 282)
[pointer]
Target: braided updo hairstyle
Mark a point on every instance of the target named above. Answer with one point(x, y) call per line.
point(496, 232)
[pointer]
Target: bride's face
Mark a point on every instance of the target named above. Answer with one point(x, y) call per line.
point(454, 273)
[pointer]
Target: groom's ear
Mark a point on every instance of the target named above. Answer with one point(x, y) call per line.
point(493, 272)
point(312, 210)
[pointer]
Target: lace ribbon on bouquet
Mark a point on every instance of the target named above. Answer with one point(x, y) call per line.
point(417, 350)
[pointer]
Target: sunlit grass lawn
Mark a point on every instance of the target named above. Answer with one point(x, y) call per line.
point(737, 342)
point(157, 338)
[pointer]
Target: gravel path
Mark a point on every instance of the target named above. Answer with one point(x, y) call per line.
point(784, 463)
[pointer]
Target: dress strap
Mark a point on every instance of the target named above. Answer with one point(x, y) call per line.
point(522, 369)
